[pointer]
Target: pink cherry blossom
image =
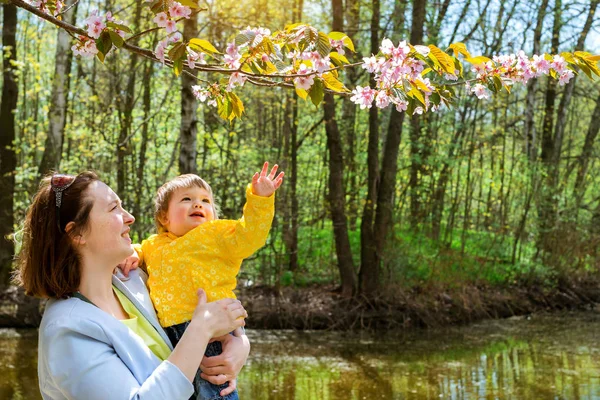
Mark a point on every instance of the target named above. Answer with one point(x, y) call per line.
point(559, 64)
point(363, 96)
point(386, 46)
point(171, 26)
point(565, 77)
point(236, 79)
point(371, 64)
point(159, 52)
point(401, 105)
point(175, 37)
point(480, 91)
point(304, 82)
point(161, 19)
point(95, 25)
point(541, 65)
point(322, 64)
point(382, 100)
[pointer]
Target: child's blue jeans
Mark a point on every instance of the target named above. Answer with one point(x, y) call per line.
point(203, 390)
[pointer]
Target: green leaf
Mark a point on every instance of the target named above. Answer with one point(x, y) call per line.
point(120, 27)
point(178, 66)
point(116, 39)
point(323, 45)
point(334, 84)
point(224, 107)
point(337, 59)
point(189, 3)
point(244, 38)
point(497, 83)
point(104, 45)
point(203, 46)
point(317, 92)
point(159, 6)
point(177, 51)
point(435, 98)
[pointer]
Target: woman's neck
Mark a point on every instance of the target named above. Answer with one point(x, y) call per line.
point(96, 285)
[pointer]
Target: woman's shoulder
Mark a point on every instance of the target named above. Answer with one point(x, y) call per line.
point(65, 317)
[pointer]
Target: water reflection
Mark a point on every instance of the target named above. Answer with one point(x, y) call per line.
point(547, 357)
point(18, 364)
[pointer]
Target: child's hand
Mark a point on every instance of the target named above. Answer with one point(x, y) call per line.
point(129, 264)
point(265, 185)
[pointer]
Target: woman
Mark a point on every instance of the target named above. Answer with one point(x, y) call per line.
point(99, 337)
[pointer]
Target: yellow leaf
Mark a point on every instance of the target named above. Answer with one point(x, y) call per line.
point(303, 94)
point(334, 84)
point(460, 48)
point(444, 59)
point(238, 106)
point(594, 58)
point(421, 86)
point(477, 60)
point(203, 46)
point(414, 93)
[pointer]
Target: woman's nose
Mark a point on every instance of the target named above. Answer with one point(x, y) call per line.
point(128, 218)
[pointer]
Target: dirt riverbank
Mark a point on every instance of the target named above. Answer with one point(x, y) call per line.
point(321, 307)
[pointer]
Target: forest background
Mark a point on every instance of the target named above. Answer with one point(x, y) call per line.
point(498, 195)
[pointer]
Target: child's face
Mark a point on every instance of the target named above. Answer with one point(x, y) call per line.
point(188, 208)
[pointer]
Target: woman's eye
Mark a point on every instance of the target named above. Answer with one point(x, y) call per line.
point(114, 208)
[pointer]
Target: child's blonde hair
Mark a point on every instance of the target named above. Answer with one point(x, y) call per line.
point(165, 192)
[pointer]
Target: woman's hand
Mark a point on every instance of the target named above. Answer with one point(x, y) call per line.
point(209, 320)
point(226, 366)
point(218, 317)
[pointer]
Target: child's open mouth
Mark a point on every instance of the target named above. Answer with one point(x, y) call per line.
point(197, 214)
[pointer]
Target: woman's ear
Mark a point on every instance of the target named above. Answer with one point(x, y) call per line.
point(77, 239)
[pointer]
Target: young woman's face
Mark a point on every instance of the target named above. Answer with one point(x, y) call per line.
point(188, 208)
point(107, 235)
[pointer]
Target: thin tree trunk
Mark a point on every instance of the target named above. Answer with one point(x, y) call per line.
point(59, 97)
point(141, 165)
point(337, 198)
point(530, 131)
point(548, 207)
point(586, 154)
point(189, 119)
point(348, 121)
point(417, 150)
point(126, 106)
point(8, 159)
point(368, 277)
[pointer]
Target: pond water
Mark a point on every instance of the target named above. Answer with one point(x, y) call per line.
point(554, 356)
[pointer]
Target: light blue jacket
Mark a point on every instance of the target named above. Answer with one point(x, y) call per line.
point(85, 353)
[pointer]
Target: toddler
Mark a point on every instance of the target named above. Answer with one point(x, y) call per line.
point(194, 249)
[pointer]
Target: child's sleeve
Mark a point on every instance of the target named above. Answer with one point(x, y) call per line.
point(249, 233)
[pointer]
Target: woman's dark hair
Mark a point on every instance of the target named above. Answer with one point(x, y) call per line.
point(48, 263)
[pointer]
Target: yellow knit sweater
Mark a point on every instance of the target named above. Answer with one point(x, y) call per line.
point(208, 257)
